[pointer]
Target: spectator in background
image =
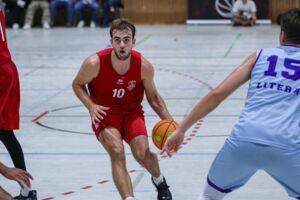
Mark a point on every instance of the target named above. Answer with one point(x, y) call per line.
point(2, 5)
point(244, 13)
point(66, 4)
point(114, 7)
point(90, 4)
point(32, 8)
point(16, 7)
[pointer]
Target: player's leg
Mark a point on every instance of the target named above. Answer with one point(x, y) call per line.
point(111, 140)
point(13, 147)
point(4, 195)
point(141, 152)
point(284, 166)
point(210, 193)
point(136, 136)
point(235, 163)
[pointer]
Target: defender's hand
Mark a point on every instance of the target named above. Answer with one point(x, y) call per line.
point(173, 142)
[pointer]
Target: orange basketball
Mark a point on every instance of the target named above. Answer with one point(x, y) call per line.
point(162, 130)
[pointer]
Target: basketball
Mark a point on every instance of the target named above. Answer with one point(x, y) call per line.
point(162, 130)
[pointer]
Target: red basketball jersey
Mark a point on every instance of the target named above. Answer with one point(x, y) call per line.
point(122, 93)
point(4, 52)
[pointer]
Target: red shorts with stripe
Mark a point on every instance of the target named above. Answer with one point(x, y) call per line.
point(9, 96)
point(130, 125)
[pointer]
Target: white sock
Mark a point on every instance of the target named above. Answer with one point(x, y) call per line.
point(129, 198)
point(158, 180)
point(210, 193)
point(25, 190)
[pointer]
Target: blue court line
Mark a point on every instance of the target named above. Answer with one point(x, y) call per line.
point(104, 154)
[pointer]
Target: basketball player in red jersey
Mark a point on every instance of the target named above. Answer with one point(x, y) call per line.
point(9, 108)
point(117, 79)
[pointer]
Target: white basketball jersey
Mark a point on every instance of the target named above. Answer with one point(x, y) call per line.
point(271, 114)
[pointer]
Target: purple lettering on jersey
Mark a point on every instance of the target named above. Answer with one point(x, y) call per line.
point(287, 89)
point(293, 65)
point(297, 91)
point(272, 85)
point(279, 87)
point(271, 69)
point(261, 85)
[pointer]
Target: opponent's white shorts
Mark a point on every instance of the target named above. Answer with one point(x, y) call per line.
point(237, 161)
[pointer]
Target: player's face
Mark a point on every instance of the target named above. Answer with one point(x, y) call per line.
point(122, 42)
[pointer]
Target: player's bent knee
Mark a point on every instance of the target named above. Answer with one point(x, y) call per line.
point(142, 155)
point(117, 153)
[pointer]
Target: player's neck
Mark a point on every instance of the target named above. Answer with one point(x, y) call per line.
point(120, 66)
point(287, 43)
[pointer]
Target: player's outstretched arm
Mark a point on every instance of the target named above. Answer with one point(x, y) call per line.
point(155, 100)
point(239, 76)
point(88, 71)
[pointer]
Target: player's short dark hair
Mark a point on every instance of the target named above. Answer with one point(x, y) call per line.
point(122, 24)
point(290, 24)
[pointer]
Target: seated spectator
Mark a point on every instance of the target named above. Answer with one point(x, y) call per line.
point(113, 7)
point(244, 13)
point(31, 10)
point(19, 175)
point(2, 5)
point(67, 4)
point(90, 4)
point(16, 7)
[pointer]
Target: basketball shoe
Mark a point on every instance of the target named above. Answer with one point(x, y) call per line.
point(31, 196)
point(163, 192)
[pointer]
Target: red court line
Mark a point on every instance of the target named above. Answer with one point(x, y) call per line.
point(86, 187)
point(102, 182)
point(40, 116)
point(67, 193)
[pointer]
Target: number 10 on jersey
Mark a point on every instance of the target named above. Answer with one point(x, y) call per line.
point(118, 93)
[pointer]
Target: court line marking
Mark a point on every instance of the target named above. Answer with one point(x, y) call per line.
point(232, 44)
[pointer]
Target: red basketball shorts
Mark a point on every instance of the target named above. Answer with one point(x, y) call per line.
point(9, 96)
point(130, 125)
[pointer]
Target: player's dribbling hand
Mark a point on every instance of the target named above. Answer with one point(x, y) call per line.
point(97, 112)
point(173, 143)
